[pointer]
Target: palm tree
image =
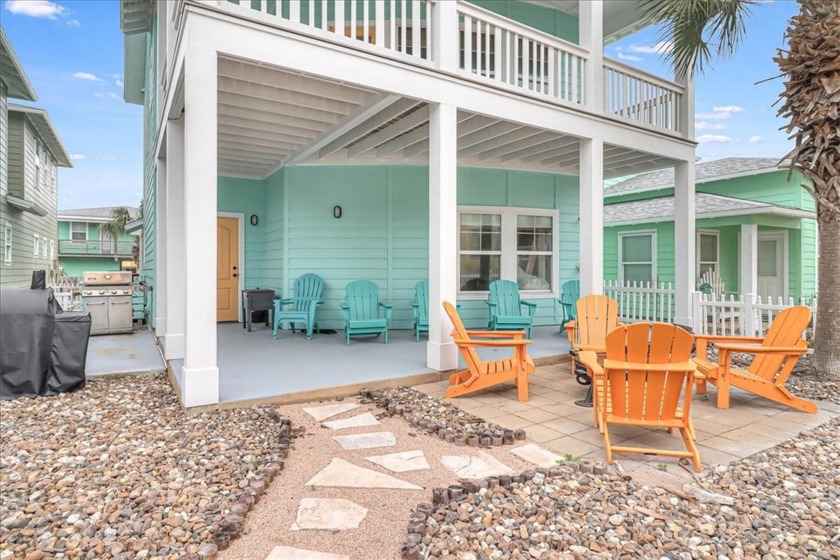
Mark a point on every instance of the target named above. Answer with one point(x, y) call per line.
point(811, 103)
point(116, 227)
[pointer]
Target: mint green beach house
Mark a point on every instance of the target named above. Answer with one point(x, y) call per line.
point(84, 246)
point(388, 140)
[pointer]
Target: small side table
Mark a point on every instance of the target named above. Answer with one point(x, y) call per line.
point(256, 301)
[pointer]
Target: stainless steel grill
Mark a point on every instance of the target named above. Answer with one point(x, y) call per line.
point(107, 296)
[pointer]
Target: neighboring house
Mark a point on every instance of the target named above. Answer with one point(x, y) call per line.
point(84, 246)
point(393, 141)
point(30, 154)
point(755, 228)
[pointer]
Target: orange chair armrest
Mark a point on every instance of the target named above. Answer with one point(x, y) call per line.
point(590, 348)
point(633, 366)
point(718, 338)
point(750, 349)
point(497, 334)
point(489, 343)
point(590, 360)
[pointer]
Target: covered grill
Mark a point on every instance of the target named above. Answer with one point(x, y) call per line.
point(107, 297)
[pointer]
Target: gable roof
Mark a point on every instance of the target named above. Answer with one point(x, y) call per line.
point(12, 74)
point(716, 170)
point(101, 214)
point(706, 206)
point(43, 126)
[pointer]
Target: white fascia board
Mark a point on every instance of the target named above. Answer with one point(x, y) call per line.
point(771, 210)
point(251, 41)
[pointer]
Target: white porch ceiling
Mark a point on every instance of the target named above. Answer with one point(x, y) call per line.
point(269, 117)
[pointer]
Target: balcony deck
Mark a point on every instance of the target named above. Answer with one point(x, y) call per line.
point(94, 248)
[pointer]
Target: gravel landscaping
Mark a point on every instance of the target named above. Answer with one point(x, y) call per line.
point(118, 470)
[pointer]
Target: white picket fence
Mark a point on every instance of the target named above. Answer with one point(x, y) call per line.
point(642, 301)
point(744, 315)
point(68, 292)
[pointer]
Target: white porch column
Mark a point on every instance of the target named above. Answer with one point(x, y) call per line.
point(445, 47)
point(686, 106)
point(591, 216)
point(173, 342)
point(684, 240)
point(201, 372)
point(160, 249)
point(441, 353)
point(591, 37)
point(748, 260)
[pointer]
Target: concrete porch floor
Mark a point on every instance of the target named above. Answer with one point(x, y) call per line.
point(254, 366)
point(552, 420)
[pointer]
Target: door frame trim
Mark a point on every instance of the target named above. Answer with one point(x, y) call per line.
point(240, 218)
point(783, 236)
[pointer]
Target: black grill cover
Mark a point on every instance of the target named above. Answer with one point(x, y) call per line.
point(29, 353)
point(68, 356)
point(39, 280)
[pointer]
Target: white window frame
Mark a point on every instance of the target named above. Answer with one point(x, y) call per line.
point(36, 245)
point(7, 243)
point(653, 249)
point(84, 230)
point(509, 255)
point(716, 234)
point(39, 168)
point(52, 249)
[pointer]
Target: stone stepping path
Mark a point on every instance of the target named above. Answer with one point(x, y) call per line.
point(328, 514)
point(290, 553)
point(366, 441)
point(343, 474)
point(329, 410)
point(475, 466)
point(360, 421)
point(536, 455)
point(406, 461)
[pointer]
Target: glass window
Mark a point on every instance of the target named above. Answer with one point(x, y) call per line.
point(636, 255)
point(707, 252)
point(507, 243)
point(52, 249)
point(78, 231)
point(7, 243)
point(767, 265)
point(36, 245)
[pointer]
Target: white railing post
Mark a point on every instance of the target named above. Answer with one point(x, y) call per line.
point(698, 314)
point(445, 35)
point(749, 324)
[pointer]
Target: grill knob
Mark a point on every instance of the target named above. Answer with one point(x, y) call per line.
point(114, 292)
point(101, 292)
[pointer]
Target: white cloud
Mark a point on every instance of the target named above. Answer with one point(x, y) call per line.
point(107, 95)
point(109, 157)
point(74, 23)
point(77, 157)
point(657, 48)
point(87, 76)
point(35, 8)
point(756, 139)
point(119, 82)
point(714, 139)
point(702, 125)
point(720, 112)
point(630, 57)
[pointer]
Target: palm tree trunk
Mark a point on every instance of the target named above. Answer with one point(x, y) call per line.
point(826, 359)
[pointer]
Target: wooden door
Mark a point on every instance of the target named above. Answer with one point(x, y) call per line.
point(227, 270)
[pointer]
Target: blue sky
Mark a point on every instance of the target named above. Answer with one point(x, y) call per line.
point(72, 51)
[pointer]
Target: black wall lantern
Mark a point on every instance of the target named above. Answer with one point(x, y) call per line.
point(254, 219)
point(336, 212)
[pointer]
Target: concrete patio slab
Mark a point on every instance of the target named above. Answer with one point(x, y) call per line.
point(344, 474)
point(475, 466)
point(360, 421)
point(291, 553)
point(366, 441)
point(329, 410)
point(537, 455)
point(406, 461)
point(329, 514)
point(123, 354)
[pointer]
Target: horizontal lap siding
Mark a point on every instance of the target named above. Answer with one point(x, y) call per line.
point(409, 238)
point(77, 266)
point(273, 220)
point(246, 196)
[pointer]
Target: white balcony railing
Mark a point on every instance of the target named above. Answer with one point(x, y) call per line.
point(492, 49)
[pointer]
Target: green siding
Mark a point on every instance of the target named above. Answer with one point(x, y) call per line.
point(76, 266)
point(274, 193)
point(553, 22)
point(664, 249)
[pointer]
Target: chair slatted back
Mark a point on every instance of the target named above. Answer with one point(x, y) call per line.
point(505, 294)
point(596, 316)
point(459, 334)
point(421, 297)
point(647, 395)
point(786, 330)
point(571, 293)
point(308, 287)
point(362, 299)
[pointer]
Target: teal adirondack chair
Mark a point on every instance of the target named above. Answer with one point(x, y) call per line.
point(506, 308)
point(361, 310)
point(569, 296)
point(308, 289)
point(420, 308)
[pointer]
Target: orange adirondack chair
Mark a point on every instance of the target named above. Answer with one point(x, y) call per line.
point(596, 316)
point(647, 369)
point(775, 356)
point(479, 374)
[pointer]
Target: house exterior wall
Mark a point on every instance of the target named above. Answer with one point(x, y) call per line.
point(383, 231)
point(88, 258)
point(553, 22)
point(4, 145)
point(22, 141)
point(77, 266)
